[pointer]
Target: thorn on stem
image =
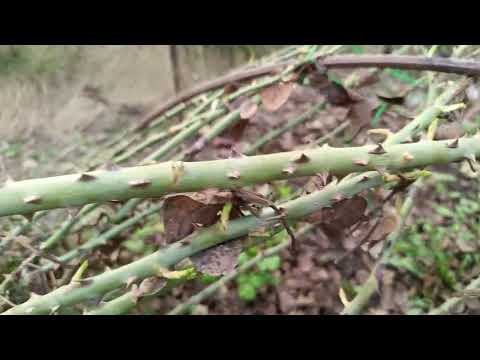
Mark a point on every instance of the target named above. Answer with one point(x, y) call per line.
point(454, 144)
point(408, 140)
point(86, 177)
point(148, 163)
point(379, 150)
point(407, 156)
point(364, 179)
point(233, 175)
point(361, 162)
point(289, 170)
point(337, 198)
point(471, 160)
point(302, 159)
point(139, 183)
point(35, 199)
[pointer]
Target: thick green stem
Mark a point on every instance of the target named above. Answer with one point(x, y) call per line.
point(24, 197)
point(202, 239)
point(126, 302)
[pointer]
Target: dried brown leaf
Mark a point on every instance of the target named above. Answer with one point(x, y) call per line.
point(218, 260)
point(393, 100)
point(337, 95)
point(234, 133)
point(361, 114)
point(148, 287)
point(181, 212)
point(248, 109)
point(222, 258)
point(340, 216)
point(275, 96)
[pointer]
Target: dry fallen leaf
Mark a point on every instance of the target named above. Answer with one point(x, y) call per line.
point(184, 213)
point(340, 216)
point(181, 212)
point(149, 286)
point(361, 114)
point(275, 96)
point(343, 214)
point(218, 260)
point(248, 109)
point(337, 95)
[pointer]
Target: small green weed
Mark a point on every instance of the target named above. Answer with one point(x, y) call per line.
point(441, 250)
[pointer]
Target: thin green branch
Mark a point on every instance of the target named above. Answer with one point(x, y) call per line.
point(203, 239)
point(282, 130)
point(20, 230)
point(102, 239)
point(421, 122)
point(368, 289)
point(66, 227)
point(447, 307)
point(213, 288)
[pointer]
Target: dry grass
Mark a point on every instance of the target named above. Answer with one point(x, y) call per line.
point(41, 96)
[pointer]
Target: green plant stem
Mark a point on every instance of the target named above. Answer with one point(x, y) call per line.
point(118, 142)
point(194, 117)
point(282, 130)
point(366, 291)
point(421, 122)
point(213, 288)
point(173, 177)
point(203, 239)
point(188, 129)
point(103, 238)
point(176, 141)
point(228, 121)
point(125, 210)
point(118, 306)
point(448, 305)
point(20, 230)
point(197, 110)
point(240, 76)
point(335, 132)
point(127, 302)
point(66, 227)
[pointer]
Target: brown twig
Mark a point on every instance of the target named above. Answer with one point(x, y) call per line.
point(40, 253)
point(11, 276)
point(407, 62)
point(208, 86)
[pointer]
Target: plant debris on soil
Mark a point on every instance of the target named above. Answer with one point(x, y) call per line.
point(435, 258)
